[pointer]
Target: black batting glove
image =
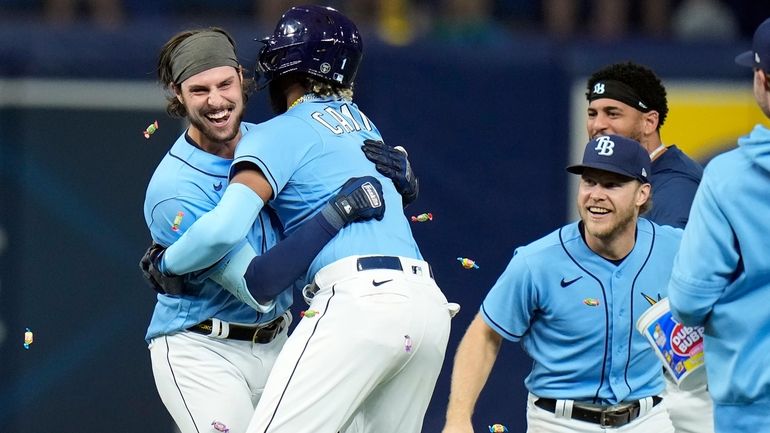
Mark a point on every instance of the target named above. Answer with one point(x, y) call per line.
point(393, 163)
point(360, 199)
point(150, 266)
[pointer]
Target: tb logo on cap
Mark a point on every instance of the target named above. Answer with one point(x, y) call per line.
point(604, 146)
point(599, 88)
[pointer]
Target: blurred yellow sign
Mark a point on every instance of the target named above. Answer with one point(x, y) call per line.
point(707, 118)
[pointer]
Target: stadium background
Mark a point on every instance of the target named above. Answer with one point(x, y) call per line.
point(489, 123)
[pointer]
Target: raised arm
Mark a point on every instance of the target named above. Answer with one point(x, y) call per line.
point(393, 162)
point(473, 362)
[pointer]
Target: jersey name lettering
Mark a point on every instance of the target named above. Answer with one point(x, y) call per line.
point(342, 121)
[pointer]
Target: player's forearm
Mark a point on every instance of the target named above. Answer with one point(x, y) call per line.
point(269, 274)
point(475, 357)
point(215, 233)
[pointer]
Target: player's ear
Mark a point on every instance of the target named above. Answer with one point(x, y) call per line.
point(643, 194)
point(651, 120)
point(765, 81)
point(176, 91)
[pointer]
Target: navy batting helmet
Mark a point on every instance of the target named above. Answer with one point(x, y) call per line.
point(316, 40)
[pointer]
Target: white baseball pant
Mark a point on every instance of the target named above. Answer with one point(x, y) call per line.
point(209, 384)
point(690, 411)
point(369, 348)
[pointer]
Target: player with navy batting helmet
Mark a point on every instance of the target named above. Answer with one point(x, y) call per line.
point(211, 350)
point(377, 325)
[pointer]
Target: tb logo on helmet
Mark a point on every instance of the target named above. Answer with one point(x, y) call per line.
point(604, 146)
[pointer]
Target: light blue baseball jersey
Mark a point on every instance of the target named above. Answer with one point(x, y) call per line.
point(187, 183)
point(306, 154)
point(575, 312)
point(721, 280)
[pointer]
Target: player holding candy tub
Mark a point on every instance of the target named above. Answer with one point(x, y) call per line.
point(679, 347)
point(721, 276)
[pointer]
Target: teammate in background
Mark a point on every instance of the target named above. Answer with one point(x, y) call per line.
point(629, 99)
point(721, 275)
point(380, 324)
point(211, 353)
point(572, 299)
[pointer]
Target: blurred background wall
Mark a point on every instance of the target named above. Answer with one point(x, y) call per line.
point(487, 96)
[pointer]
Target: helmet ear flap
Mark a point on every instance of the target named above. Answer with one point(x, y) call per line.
point(267, 65)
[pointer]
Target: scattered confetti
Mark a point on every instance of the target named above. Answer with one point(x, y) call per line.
point(407, 344)
point(498, 428)
point(28, 338)
point(421, 218)
point(468, 263)
point(591, 302)
point(308, 313)
point(150, 129)
point(218, 426)
point(177, 221)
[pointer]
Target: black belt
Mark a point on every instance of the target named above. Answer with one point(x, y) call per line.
point(605, 416)
point(261, 335)
point(386, 262)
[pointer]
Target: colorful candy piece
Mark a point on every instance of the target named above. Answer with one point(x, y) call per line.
point(220, 427)
point(28, 338)
point(177, 221)
point(422, 218)
point(150, 129)
point(498, 428)
point(308, 313)
point(468, 263)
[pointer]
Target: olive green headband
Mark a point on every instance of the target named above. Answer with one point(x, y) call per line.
point(200, 52)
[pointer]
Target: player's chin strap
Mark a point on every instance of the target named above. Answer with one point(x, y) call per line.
point(563, 408)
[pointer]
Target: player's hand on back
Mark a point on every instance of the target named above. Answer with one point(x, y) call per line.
point(150, 266)
point(360, 199)
point(393, 163)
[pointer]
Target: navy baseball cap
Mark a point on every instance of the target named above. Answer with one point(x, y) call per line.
point(615, 154)
point(759, 55)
